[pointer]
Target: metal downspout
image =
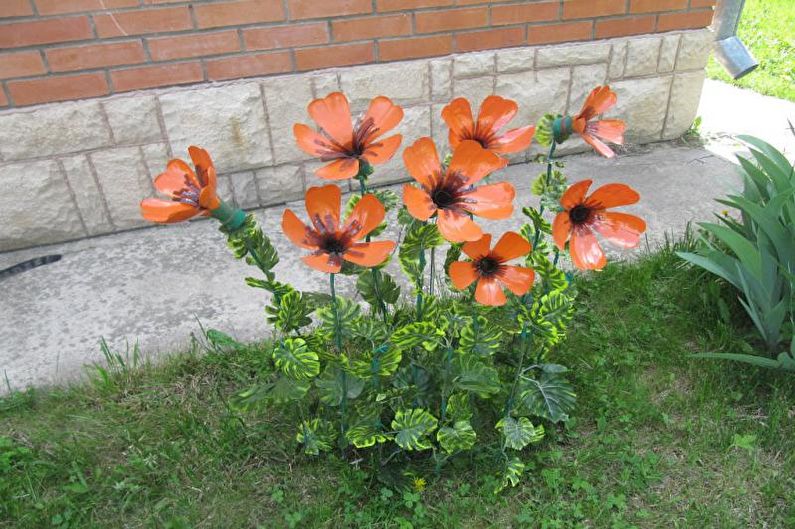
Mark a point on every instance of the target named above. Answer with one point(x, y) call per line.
point(729, 49)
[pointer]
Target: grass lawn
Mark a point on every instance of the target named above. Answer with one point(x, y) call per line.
point(658, 440)
point(768, 29)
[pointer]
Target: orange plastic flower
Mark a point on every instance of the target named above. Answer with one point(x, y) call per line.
point(192, 192)
point(488, 268)
point(583, 215)
point(331, 241)
point(495, 113)
point(452, 194)
point(599, 101)
point(345, 144)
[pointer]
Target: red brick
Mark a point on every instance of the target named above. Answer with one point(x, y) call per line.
point(656, 6)
point(15, 8)
point(300, 9)
point(238, 13)
point(143, 21)
point(400, 5)
point(592, 8)
point(23, 64)
point(154, 76)
point(371, 27)
point(58, 7)
point(519, 13)
point(3, 98)
point(399, 49)
point(451, 19)
point(20, 34)
point(621, 27)
point(61, 88)
point(249, 65)
point(691, 20)
point(702, 3)
point(285, 36)
point(95, 56)
point(489, 39)
point(195, 45)
point(552, 33)
point(329, 56)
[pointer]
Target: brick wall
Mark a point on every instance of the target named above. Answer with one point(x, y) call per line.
point(56, 50)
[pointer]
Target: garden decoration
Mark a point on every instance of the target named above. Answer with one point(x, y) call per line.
point(469, 363)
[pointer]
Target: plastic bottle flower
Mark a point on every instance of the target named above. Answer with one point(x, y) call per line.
point(345, 144)
point(488, 268)
point(451, 194)
point(332, 241)
point(595, 133)
point(495, 113)
point(192, 193)
point(583, 215)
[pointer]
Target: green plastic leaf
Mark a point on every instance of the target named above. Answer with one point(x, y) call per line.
point(286, 389)
point(382, 361)
point(335, 382)
point(348, 312)
point(551, 276)
point(411, 427)
point(419, 238)
point(479, 337)
point(250, 243)
point(458, 408)
point(549, 396)
point(418, 334)
point(292, 312)
point(373, 283)
point(317, 435)
point(456, 438)
point(221, 340)
point(295, 359)
point(366, 435)
point(519, 433)
point(475, 376)
point(511, 475)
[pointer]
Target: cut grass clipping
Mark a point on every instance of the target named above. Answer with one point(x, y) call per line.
point(658, 439)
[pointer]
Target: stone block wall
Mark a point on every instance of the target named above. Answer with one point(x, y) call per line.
point(79, 169)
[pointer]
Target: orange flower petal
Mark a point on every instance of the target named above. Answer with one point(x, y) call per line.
point(491, 201)
point(422, 162)
point(479, 248)
point(323, 262)
point(166, 211)
point(366, 215)
point(207, 196)
point(575, 194)
point(510, 246)
point(174, 178)
point(323, 206)
point(489, 292)
point(475, 162)
point(515, 140)
point(611, 130)
point(383, 150)
point(458, 116)
point(621, 229)
point(586, 254)
point(561, 227)
point(298, 232)
point(599, 101)
point(311, 142)
point(457, 227)
point(385, 115)
point(340, 169)
point(201, 160)
point(418, 202)
point(495, 113)
point(462, 274)
point(517, 279)
point(369, 253)
point(598, 145)
point(333, 115)
point(611, 196)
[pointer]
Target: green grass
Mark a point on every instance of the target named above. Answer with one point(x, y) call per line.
point(659, 440)
point(768, 29)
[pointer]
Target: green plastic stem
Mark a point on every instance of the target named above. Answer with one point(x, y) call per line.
point(343, 374)
point(562, 128)
point(365, 170)
point(231, 217)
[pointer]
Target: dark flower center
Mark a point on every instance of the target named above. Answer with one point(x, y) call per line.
point(579, 214)
point(332, 245)
point(443, 197)
point(487, 266)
